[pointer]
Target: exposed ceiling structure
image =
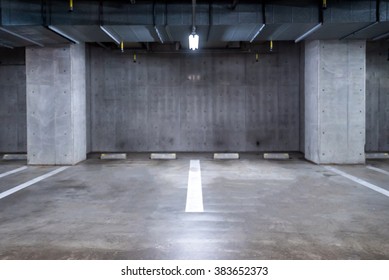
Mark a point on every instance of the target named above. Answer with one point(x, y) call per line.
point(220, 24)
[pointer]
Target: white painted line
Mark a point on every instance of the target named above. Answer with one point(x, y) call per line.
point(194, 197)
point(359, 181)
point(31, 182)
point(377, 169)
point(13, 171)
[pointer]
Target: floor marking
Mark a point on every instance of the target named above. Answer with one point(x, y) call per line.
point(359, 181)
point(12, 171)
point(194, 197)
point(377, 169)
point(31, 182)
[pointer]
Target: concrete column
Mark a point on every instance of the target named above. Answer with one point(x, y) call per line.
point(56, 105)
point(335, 78)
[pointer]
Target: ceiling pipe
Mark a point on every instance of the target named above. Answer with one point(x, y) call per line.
point(21, 37)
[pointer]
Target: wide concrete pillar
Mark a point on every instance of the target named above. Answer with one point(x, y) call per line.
point(335, 77)
point(56, 105)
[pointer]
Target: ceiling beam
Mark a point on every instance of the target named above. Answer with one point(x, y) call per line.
point(20, 37)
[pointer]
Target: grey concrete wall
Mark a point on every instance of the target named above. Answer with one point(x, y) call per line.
point(88, 99)
point(13, 129)
point(311, 106)
point(377, 97)
point(78, 101)
point(335, 101)
point(195, 102)
point(302, 97)
point(56, 105)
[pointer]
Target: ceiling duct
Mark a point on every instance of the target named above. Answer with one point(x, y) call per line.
point(21, 37)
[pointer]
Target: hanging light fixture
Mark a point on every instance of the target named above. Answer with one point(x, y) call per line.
point(193, 40)
point(194, 37)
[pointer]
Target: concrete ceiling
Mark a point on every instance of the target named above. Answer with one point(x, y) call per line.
point(218, 23)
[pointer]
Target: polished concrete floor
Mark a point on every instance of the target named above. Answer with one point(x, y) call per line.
point(253, 209)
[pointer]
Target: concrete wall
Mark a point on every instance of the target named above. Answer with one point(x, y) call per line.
point(311, 89)
point(335, 101)
point(377, 97)
point(195, 102)
point(78, 102)
point(302, 97)
point(254, 127)
point(88, 99)
point(56, 107)
point(12, 101)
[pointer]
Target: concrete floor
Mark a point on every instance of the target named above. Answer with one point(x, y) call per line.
point(253, 209)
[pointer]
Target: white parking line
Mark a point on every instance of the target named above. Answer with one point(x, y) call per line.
point(31, 182)
point(13, 171)
point(194, 197)
point(359, 181)
point(377, 169)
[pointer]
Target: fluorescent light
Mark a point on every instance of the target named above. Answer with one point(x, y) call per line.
point(257, 33)
point(193, 41)
point(309, 32)
point(110, 34)
point(61, 33)
point(21, 37)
